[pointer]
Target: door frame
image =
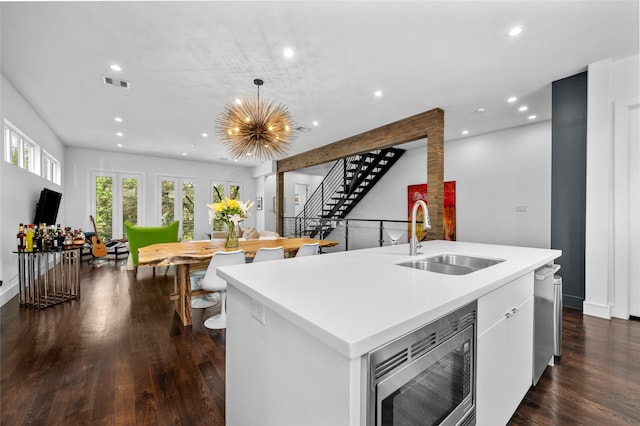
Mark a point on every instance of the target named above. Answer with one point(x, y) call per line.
point(626, 210)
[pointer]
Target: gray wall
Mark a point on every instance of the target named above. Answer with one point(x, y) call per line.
point(569, 180)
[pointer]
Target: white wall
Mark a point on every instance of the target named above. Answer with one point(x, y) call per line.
point(613, 92)
point(261, 173)
point(20, 189)
point(494, 173)
point(80, 163)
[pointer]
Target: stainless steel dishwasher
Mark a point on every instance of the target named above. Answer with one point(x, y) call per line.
point(545, 322)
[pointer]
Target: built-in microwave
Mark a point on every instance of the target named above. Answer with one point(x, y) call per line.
point(426, 377)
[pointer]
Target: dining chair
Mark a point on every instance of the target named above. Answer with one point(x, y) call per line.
point(268, 253)
point(142, 236)
point(308, 249)
point(204, 301)
point(212, 282)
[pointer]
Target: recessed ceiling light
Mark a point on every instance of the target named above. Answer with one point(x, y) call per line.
point(193, 145)
point(119, 145)
point(515, 31)
point(377, 93)
point(532, 117)
point(288, 52)
point(204, 135)
point(315, 123)
point(119, 134)
point(184, 154)
point(238, 101)
point(523, 108)
point(116, 67)
point(235, 159)
point(465, 132)
point(481, 110)
point(512, 99)
point(118, 119)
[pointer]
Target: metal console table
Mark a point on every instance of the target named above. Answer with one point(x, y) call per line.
point(48, 278)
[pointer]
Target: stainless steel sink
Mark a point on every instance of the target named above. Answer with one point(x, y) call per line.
point(466, 261)
point(451, 264)
point(441, 268)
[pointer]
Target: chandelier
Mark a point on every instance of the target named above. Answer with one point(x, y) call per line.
point(256, 128)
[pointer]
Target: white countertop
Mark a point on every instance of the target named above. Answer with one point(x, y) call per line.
point(358, 300)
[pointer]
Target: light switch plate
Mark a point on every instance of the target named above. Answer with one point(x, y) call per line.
point(521, 208)
point(258, 312)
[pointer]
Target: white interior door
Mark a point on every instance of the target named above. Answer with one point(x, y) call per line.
point(300, 197)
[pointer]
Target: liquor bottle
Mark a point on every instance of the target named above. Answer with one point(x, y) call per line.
point(60, 237)
point(68, 238)
point(29, 238)
point(46, 241)
point(21, 238)
point(37, 239)
point(54, 238)
point(78, 241)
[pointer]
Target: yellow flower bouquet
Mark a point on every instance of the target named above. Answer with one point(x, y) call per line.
point(231, 212)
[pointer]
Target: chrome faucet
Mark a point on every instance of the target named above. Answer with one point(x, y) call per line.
point(413, 242)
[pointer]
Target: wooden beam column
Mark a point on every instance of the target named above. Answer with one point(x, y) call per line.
point(435, 178)
point(280, 203)
point(429, 124)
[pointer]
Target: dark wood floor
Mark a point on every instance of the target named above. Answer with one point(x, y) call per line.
point(119, 356)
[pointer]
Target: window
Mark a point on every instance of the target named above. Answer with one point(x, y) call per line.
point(19, 149)
point(221, 190)
point(50, 168)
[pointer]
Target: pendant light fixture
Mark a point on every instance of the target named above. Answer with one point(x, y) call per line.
point(256, 128)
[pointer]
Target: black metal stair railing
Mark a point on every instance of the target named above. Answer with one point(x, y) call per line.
point(306, 220)
point(348, 181)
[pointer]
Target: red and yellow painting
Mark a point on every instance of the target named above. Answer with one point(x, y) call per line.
point(419, 192)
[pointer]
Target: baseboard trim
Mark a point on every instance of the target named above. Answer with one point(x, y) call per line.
point(596, 310)
point(9, 290)
point(572, 301)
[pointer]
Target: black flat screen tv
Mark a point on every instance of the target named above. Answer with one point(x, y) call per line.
point(47, 207)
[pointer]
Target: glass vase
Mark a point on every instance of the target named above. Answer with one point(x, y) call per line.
point(232, 236)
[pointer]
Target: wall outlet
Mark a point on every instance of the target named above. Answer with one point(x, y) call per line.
point(258, 312)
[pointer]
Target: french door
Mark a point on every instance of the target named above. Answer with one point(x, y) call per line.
point(177, 202)
point(221, 190)
point(115, 198)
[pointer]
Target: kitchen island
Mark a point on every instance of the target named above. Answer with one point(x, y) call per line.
point(299, 329)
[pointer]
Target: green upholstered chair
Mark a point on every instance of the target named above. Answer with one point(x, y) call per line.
point(142, 236)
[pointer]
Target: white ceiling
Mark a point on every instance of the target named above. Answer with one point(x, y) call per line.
point(186, 60)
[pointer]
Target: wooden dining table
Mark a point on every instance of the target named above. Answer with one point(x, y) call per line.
point(187, 255)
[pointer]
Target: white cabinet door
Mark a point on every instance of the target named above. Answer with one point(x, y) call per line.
point(505, 353)
point(493, 375)
point(521, 345)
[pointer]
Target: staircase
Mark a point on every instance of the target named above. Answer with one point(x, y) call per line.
point(348, 181)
